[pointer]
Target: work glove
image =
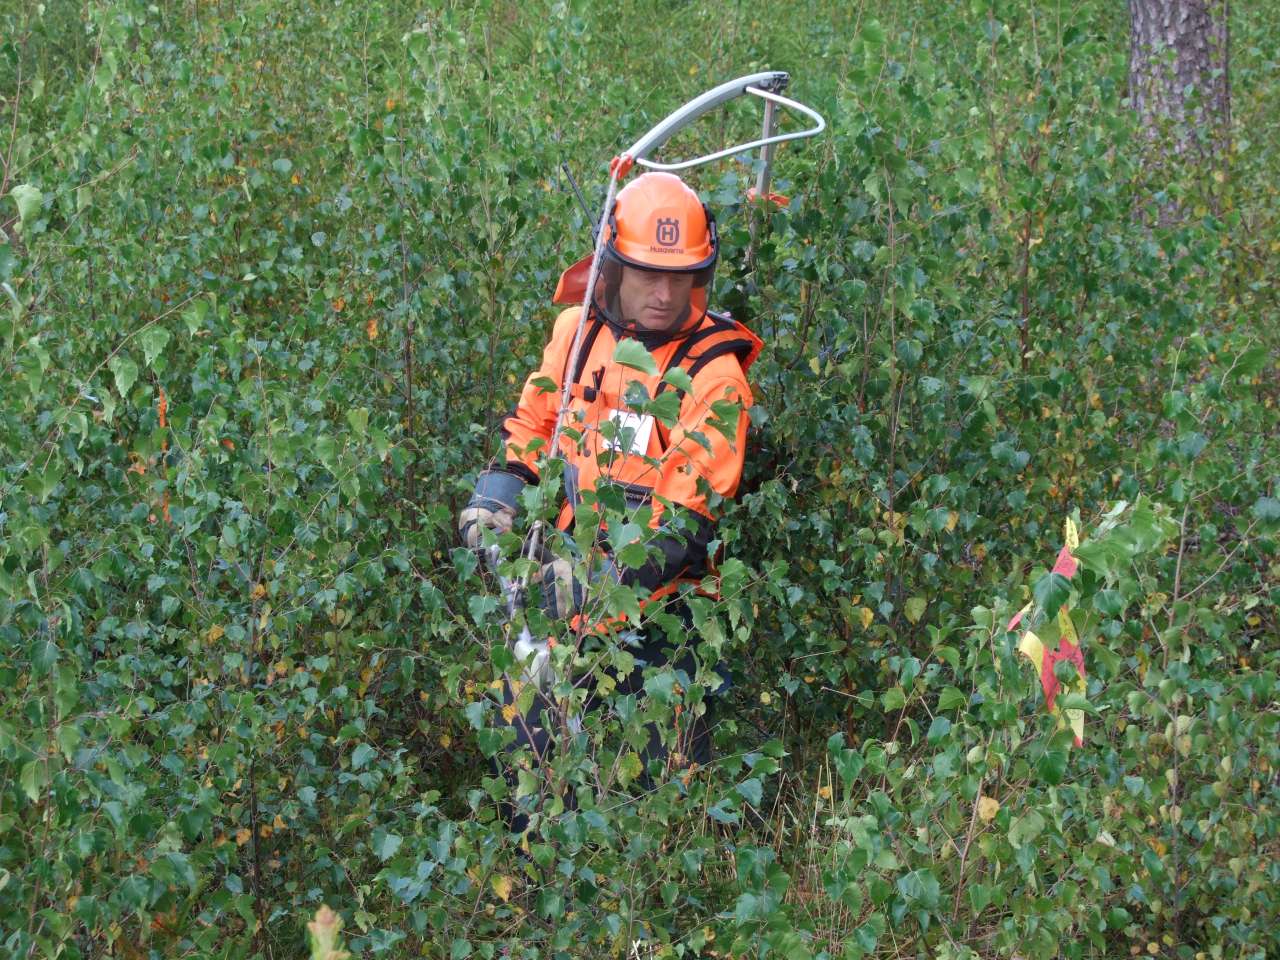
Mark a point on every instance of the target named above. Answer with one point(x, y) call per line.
point(492, 507)
point(563, 594)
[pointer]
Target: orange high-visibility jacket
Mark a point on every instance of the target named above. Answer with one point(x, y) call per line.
point(693, 457)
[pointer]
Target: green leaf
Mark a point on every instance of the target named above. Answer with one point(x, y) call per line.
point(948, 654)
point(849, 764)
point(194, 314)
point(980, 896)
point(1052, 767)
point(1252, 361)
point(33, 778)
point(868, 934)
point(910, 352)
point(632, 353)
point(29, 200)
point(125, 372)
point(679, 378)
point(920, 888)
point(326, 449)
point(666, 407)
point(751, 790)
point(361, 755)
point(358, 417)
point(1026, 828)
point(914, 608)
point(939, 729)
point(179, 868)
point(386, 844)
point(721, 812)
point(724, 419)
point(873, 33)
point(1267, 511)
point(1109, 603)
point(44, 654)
point(894, 699)
point(1051, 592)
point(68, 739)
point(153, 339)
point(952, 698)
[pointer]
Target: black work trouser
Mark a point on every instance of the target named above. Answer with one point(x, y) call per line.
point(540, 727)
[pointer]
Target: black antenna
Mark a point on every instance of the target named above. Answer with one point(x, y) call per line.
point(582, 201)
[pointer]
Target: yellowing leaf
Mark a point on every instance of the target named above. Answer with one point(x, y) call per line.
point(1070, 535)
point(914, 608)
point(988, 807)
point(501, 886)
point(952, 519)
point(1066, 628)
point(1031, 647)
point(243, 836)
point(866, 616)
point(371, 328)
point(629, 767)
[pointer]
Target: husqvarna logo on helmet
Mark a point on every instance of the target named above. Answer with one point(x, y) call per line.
point(668, 232)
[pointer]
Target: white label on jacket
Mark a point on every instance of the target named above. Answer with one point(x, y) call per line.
point(633, 431)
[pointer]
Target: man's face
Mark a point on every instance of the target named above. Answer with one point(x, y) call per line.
point(654, 299)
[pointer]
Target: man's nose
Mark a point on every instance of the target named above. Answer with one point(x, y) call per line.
point(664, 288)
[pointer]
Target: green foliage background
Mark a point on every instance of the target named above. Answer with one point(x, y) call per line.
point(273, 271)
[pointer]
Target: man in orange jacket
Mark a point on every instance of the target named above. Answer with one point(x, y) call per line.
point(659, 260)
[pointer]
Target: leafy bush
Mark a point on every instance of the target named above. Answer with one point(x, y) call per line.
point(272, 273)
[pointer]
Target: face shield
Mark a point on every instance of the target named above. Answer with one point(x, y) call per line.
point(652, 294)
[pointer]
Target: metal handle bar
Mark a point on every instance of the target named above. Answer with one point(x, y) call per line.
point(681, 117)
point(669, 129)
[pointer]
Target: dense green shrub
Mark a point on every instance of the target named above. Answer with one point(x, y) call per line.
point(271, 275)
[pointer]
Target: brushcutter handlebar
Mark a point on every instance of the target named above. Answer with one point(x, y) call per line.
point(768, 86)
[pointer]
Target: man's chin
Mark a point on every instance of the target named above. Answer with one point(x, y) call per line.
point(656, 324)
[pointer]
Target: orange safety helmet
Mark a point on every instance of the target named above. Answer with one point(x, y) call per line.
point(658, 223)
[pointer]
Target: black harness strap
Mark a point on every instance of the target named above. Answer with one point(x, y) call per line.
point(740, 348)
point(584, 353)
point(682, 351)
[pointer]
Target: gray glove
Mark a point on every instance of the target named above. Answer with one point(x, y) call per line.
point(563, 594)
point(492, 507)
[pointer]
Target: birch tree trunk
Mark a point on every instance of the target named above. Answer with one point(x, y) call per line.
point(1179, 82)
